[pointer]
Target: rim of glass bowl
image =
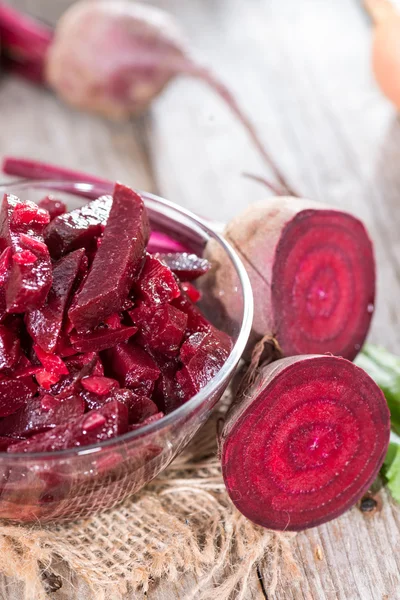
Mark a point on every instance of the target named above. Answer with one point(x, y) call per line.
point(79, 188)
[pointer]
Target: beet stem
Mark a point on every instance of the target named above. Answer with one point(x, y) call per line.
point(24, 42)
point(33, 169)
point(264, 181)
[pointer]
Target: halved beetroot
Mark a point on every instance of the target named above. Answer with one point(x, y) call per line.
point(93, 427)
point(132, 366)
point(13, 394)
point(116, 263)
point(101, 339)
point(41, 414)
point(30, 275)
point(305, 443)
point(78, 228)
point(157, 284)
point(44, 324)
point(185, 266)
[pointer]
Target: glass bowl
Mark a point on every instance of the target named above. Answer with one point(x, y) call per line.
point(75, 483)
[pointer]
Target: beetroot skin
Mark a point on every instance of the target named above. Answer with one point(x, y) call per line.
point(306, 442)
point(99, 352)
point(312, 271)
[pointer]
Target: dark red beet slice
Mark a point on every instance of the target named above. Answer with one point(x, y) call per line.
point(9, 348)
point(101, 339)
point(152, 419)
point(185, 266)
point(196, 320)
point(306, 442)
point(139, 407)
point(132, 366)
point(29, 277)
point(312, 271)
point(93, 427)
point(116, 263)
point(168, 393)
point(191, 292)
point(78, 228)
point(203, 354)
point(44, 324)
point(5, 263)
point(157, 284)
point(54, 207)
point(13, 394)
point(41, 414)
point(102, 386)
point(51, 362)
point(162, 329)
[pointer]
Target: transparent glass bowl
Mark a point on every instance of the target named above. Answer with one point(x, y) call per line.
point(78, 482)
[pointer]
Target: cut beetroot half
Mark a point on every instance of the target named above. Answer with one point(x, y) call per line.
point(132, 366)
point(93, 427)
point(79, 228)
point(13, 395)
point(44, 324)
point(312, 272)
point(185, 266)
point(116, 263)
point(305, 443)
point(29, 276)
point(101, 339)
point(41, 414)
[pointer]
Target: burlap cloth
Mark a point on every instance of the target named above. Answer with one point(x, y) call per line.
point(183, 522)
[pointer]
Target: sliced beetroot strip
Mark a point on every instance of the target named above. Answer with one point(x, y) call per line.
point(305, 443)
point(44, 324)
point(102, 339)
point(185, 266)
point(78, 228)
point(116, 263)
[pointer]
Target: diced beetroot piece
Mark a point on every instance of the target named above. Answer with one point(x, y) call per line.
point(28, 280)
point(168, 393)
point(214, 342)
point(78, 228)
point(94, 427)
point(164, 330)
point(46, 379)
point(9, 348)
point(113, 321)
point(152, 419)
point(77, 363)
point(99, 385)
point(101, 339)
point(132, 366)
point(191, 292)
point(13, 394)
point(51, 362)
point(41, 414)
point(6, 441)
point(196, 320)
point(157, 284)
point(54, 207)
point(5, 264)
point(44, 324)
point(203, 356)
point(141, 408)
point(185, 266)
point(116, 263)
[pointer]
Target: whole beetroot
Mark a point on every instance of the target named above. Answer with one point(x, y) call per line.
point(312, 272)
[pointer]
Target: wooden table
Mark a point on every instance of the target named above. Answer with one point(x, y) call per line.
point(301, 70)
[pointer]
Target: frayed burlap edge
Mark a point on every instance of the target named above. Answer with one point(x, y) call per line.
point(181, 523)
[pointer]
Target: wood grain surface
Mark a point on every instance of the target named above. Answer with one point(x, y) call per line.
point(301, 70)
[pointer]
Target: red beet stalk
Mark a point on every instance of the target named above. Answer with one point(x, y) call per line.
point(306, 442)
point(24, 42)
